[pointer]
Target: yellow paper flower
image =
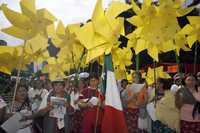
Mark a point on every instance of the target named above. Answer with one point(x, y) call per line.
point(157, 26)
point(158, 73)
point(29, 23)
point(122, 57)
point(102, 32)
point(192, 30)
point(55, 68)
point(71, 50)
point(12, 57)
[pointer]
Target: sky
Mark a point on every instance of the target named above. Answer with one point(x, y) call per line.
point(69, 11)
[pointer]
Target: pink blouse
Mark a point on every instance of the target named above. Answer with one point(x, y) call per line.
point(187, 109)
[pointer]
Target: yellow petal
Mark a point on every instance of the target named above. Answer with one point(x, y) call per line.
point(36, 43)
point(136, 9)
point(186, 29)
point(6, 49)
point(5, 70)
point(73, 28)
point(114, 10)
point(28, 7)
point(191, 40)
point(51, 60)
point(194, 20)
point(100, 22)
point(141, 45)
point(147, 2)
point(184, 11)
point(18, 32)
point(15, 18)
point(96, 52)
point(46, 16)
point(168, 46)
point(51, 30)
point(136, 20)
point(60, 29)
point(153, 52)
point(88, 37)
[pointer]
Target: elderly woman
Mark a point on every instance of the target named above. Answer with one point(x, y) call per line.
point(188, 101)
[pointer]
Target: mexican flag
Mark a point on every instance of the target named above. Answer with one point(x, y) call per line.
point(113, 119)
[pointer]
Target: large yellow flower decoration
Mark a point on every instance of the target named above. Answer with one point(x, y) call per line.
point(55, 68)
point(12, 57)
point(192, 30)
point(102, 32)
point(30, 22)
point(157, 26)
point(30, 25)
point(71, 51)
point(155, 73)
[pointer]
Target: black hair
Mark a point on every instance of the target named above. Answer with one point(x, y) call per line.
point(20, 85)
point(166, 83)
point(190, 75)
point(27, 101)
point(94, 75)
point(186, 76)
point(124, 80)
point(54, 82)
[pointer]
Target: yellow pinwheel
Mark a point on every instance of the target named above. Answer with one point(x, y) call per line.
point(122, 58)
point(52, 68)
point(157, 26)
point(102, 32)
point(14, 58)
point(71, 50)
point(154, 74)
point(30, 22)
point(63, 36)
point(119, 73)
point(192, 30)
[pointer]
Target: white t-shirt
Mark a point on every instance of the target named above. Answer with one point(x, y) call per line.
point(2, 103)
point(36, 102)
point(174, 88)
point(33, 92)
point(74, 98)
point(151, 111)
point(43, 104)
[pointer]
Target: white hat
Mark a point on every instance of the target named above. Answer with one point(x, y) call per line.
point(58, 80)
point(84, 75)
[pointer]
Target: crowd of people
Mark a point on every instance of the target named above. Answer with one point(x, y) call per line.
point(167, 106)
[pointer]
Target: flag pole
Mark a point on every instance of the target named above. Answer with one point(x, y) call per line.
point(98, 108)
point(177, 61)
point(155, 82)
point(17, 79)
point(195, 57)
point(81, 59)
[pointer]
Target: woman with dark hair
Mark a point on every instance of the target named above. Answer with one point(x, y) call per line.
point(135, 97)
point(21, 99)
point(187, 101)
point(166, 113)
point(22, 104)
point(90, 103)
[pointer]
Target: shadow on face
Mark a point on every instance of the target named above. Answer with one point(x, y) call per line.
point(21, 93)
point(59, 87)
